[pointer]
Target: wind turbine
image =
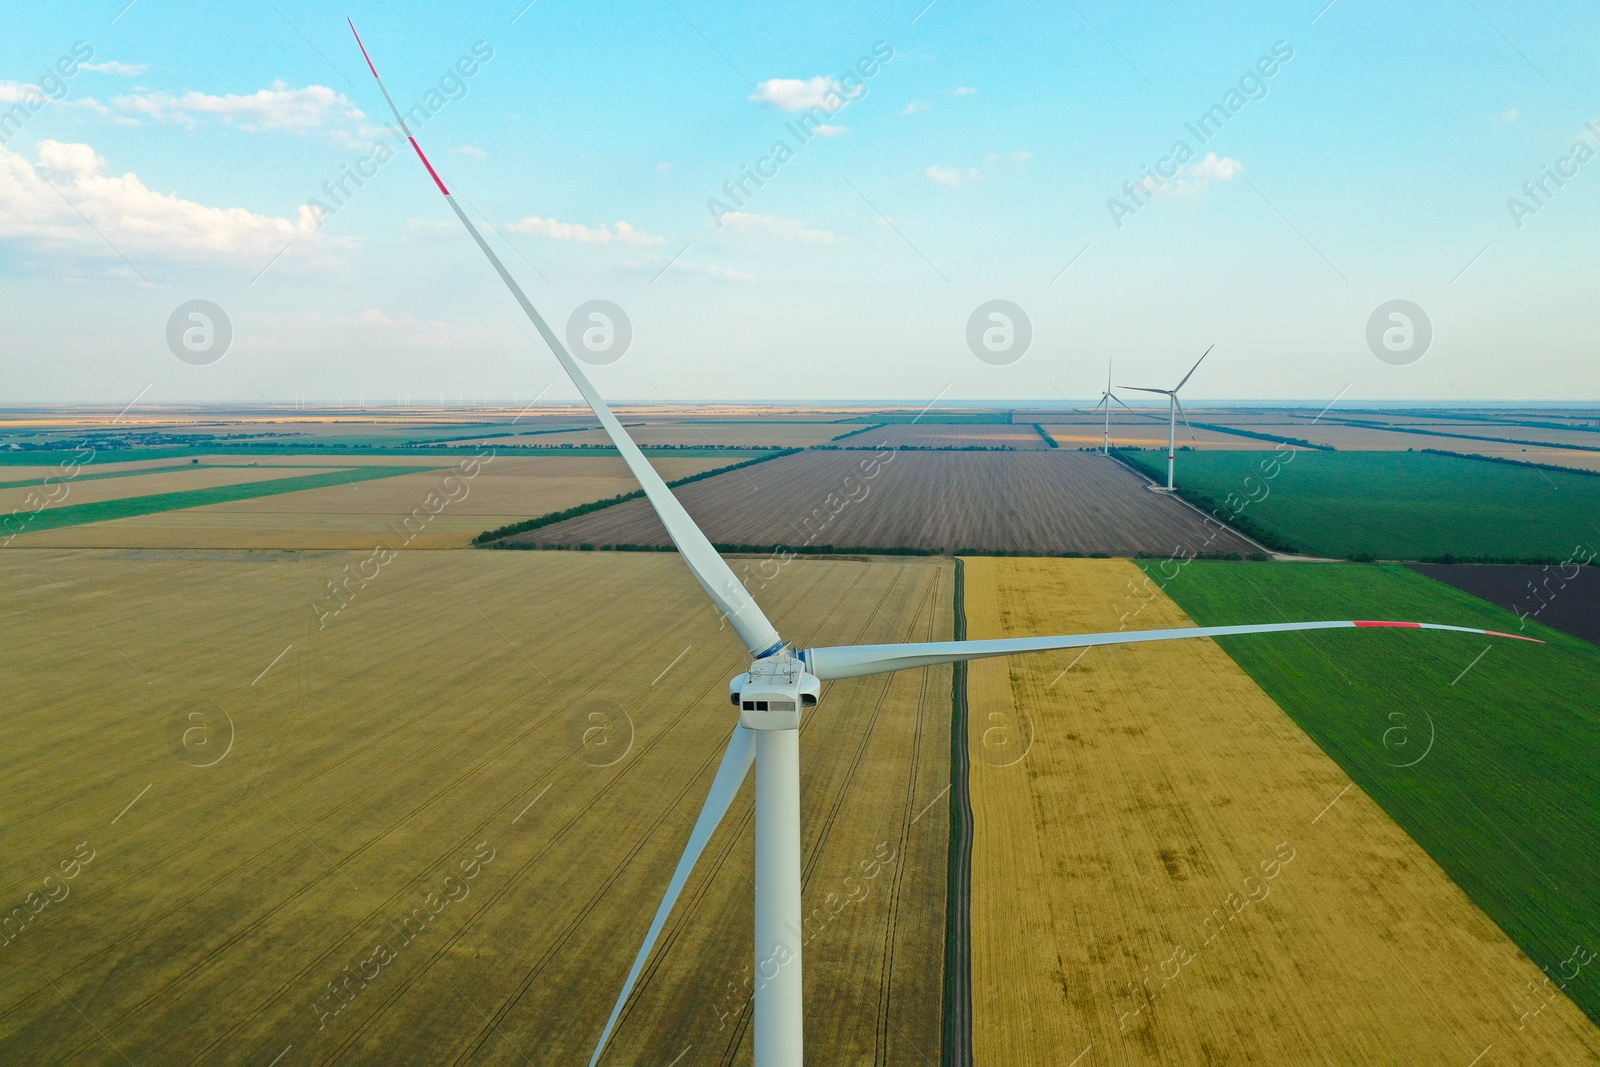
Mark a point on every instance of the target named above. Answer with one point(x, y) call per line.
point(770, 696)
point(1106, 399)
point(1174, 408)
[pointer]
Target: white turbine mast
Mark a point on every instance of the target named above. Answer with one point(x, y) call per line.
point(1107, 398)
point(1174, 409)
point(782, 681)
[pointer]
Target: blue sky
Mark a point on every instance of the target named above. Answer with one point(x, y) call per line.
point(1374, 164)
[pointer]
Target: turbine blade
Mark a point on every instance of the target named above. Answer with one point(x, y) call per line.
point(1185, 415)
point(1109, 360)
point(709, 568)
point(736, 760)
point(1194, 368)
point(853, 661)
point(1145, 389)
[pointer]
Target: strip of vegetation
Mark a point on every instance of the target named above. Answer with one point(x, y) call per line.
point(1464, 436)
point(926, 448)
point(426, 441)
point(1511, 462)
point(334, 449)
point(96, 475)
point(1049, 441)
point(130, 507)
point(902, 417)
point(852, 433)
point(1301, 441)
point(599, 505)
point(1258, 533)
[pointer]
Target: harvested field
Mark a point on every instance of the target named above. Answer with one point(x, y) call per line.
point(1487, 752)
point(342, 516)
point(88, 490)
point(934, 435)
point(1565, 597)
point(697, 434)
point(376, 757)
point(1174, 873)
point(1038, 502)
point(1147, 436)
point(1555, 457)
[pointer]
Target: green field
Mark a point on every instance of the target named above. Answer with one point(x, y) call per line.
point(53, 518)
point(1392, 505)
point(1505, 798)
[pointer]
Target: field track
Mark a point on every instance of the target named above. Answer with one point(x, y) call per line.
point(1171, 872)
point(371, 758)
point(1043, 502)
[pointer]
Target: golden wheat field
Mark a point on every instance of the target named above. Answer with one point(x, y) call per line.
point(1171, 872)
point(696, 433)
point(357, 515)
point(386, 842)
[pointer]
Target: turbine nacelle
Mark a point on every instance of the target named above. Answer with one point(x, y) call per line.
point(771, 693)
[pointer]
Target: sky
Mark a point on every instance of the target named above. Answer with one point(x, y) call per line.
point(1356, 154)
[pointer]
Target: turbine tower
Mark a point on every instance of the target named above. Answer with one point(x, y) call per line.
point(1106, 399)
point(770, 697)
point(1174, 409)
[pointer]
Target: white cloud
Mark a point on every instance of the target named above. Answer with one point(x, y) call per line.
point(376, 317)
point(663, 167)
point(473, 151)
point(793, 94)
point(622, 233)
point(276, 108)
point(916, 107)
point(954, 177)
point(773, 226)
point(1215, 168)
point(111, 66)
point(965, 90)
point(128, 215)
point(827, 130)
point(16, 92)
point(1194, 180)
point(1507, 117)
point(1021, 157)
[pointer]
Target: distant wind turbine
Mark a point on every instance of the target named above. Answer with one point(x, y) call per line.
point(1106, 400)
point(782, 680)
point(1174, 409)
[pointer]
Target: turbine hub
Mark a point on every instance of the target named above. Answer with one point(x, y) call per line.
point(771, 693)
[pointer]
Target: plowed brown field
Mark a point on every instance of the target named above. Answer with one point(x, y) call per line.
point(1024, 501)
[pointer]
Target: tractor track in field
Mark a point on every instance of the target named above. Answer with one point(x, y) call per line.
point(907, 820)
point(808, 868)
point(340, 867)
point(737, 1038)
point(957, 1023)
point(499, 1015)
point(560, 834)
